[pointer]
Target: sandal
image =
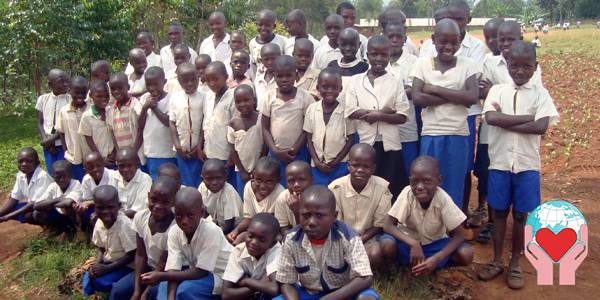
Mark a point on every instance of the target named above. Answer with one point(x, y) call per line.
point(491, 270)
point(514, 278)
point(477, 217)
point(486, 234)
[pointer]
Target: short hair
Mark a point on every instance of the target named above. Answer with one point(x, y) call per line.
point(185, 67)
point(460, 4)
point(384, 17)
point(268, 164)
point(333, 71)
point(203, 57)
point(168, 166)
point(127, 152)
point(98, 84)
point(322, 193)
point(400, 26)
point(106, 191)
point(298, 13)
point(213, 163)
point(166, 181)
point(146, 34)
point(30, 150)
point(243, 52)
point(62, 164)
point(344, 5)
point(284, 61)
point(267, 219)
point(176, 24)
point(520, 47)
point(118, 77)
point(154, 71)
point(136, 52)
point(440, 14)
point(219, 66)
point(182, 47)
point(351, 32)
point(100, 63)
point(267, 13)
point(378, 40)
point(511, 26)
point(494, 22)
point(426, 159)
point(79, 80)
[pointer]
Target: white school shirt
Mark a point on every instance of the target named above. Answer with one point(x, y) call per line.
point(155, 243)
point(284, 215)
point(49, 105)
point(513, 151)
point(76, 147)
point(117, 240)
point(325, 54)
point(254, 47)
point(387, 92)
point(409, 46)
point(216, 124)
point(73, 192)
point(362, 49)
point(88, 184)
point(267, 205)
point(328, 139)
point(219, 53)
point(401, 69)
point(152, 60)
point(187, 113)
point(208, 250)
point(309, 81)
point(133, 195)
point(223, 205)
point(136, 85)
point(172, 84)
point(92, 125)
point(168, 61)
point(447, 118)
point(242, 263)
point(31, 191)
point(262, 87)
point(249, 73)
point(157, 143)
point(247, 143)
point(291, 42)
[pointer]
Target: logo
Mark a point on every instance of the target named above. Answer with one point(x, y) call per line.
point(556, 233)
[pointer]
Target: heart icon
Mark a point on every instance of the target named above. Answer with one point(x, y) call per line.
point(556, 245)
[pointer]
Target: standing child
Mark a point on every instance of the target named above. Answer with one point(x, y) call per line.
point(97, 175)
point(329, 135)
point(181, 55)
point(237, 41)
point(100, 70)
point(265, 23)
point(518, 114)
point(349, 64)
point(287, 205)
point(238, 69)
point(306, 75)
point(295, 23)
point(264, 81)
point(145, 41)
point(222, 202)
point(392, 15)
point(328, 50)
point(93, 126)
point(175, 34)
point(201, 63)
point(216, 45)
point(133, 184)
point(348, 13)
point(139, 64)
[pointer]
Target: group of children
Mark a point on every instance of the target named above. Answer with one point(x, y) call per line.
point(296, 168)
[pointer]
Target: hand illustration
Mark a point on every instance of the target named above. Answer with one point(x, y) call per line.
point(573, 259)
point(538, 258)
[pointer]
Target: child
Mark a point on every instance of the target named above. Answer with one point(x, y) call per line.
point(100, 71)
point(446, 86)
point(328, 50)
point(133, 184)
point(216, 45)
point(198, 242)
point(283, 115)
point(392, 15)
point(295, 23)
point(222, 201)
point(348, 13)
point(145, 41)
point(260, 194)
point(48, 107)
point(153, 122)
point(171, 170)
point(237, 41)
point(362, 199)
point(427, 48)
point(265, 23)
point(377, 100)
point(418, 224)
point(349, 64)
point(97, 175)
point(321, 241)
point(252, 265)
point(186, 116)
point(181, 54)
point(67, 124)
point(30, 184)
point(298, 177)
point(264, 81)
point(139, 64)
point(175, 34)
point(244, 136)
point(93, 126)
point(238, 69)
point(115, 239)
point(518, 114)
point(151, 226)
point(307, 75)
point(201, 63)
point(329, 135)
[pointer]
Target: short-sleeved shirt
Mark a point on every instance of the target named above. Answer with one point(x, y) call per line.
point(168, 61)
point(426, 225)
point(254, 46)
point(343, 258)
point(233, 84)
point(513, 151)
point(362, 49)
point(262, 87)
point(247, 143)
point(358, 66)
point(152, 60)
point(117, 240)
point(31, 191)
point(72, 192)
point(309, 81)
point(325, 54)
point(155, 243)
point(222, 206)
point(217, 117)
point(208, 250)
point(221, 52)
point(252, 206)
point(287, 117)
point(136, 85)
point(49, 105)
point(290, 43)
point(88, 184)
point(282, 211)
point(387, 92)
point(401, 70)
point(133, 195)
point(447, 118)
point(157, 143)
point(187, 113)
point(241, 263)
point(93, 126)
point(328, 139)
point(123, 122)
point(362, 210)
point(172, 85)
point(68, 121)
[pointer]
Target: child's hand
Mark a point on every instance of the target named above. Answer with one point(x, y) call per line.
point(370, 117)
point(229, 163)
point(484, 87)
point(323, 167)
point(193, 153)
point(47, 142)
point(387, 110)
point(245, 175)
point(152, 278)
point(200, 154)
point(283, 155)
point(416, 255)
point(425, 267)
point(99, 269)
point(293, 202)
point(150, 103)
point(232, 236)
point(184, 155)
point(497, 107)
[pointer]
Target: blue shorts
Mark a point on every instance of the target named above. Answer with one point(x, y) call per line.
point(49, 158)
point(124, 288)
point(302, 155)
point(155, 163)
point(522, 190)
point(471, 122)
point(303, 294)
point(239, 184)
point(190, 171)
point(78, 172)
point(320, 178)
point(482, 163)
point(410, 152)
point(103, 283)
point(20, 217)
point(418, 118)
point(429, 250)
point(451, 153)
point(197, 289)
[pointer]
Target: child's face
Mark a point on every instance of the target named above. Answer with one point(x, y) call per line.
point(119, 89)
point(239, 64)
point(316, 219)
point(160, 203)
point(244, 102)
point(506, 38)
point(446, 44)
point(144, 43)
point(294, 27)
point(26, 162)
point(188, 217)
point(361, 167)
point(201, 68)
point(155, 85)
point(78, 94)
point(379, 57)
point(265, 26)
point(348, 46)
point(107, 210)
point(303, 57)
point(349, 16)
point(424, 181)
point(214, 179)
point(127, 168)
point(188, 81)
point(237, 42)
point(460, 17)
point(329, 88)
point(285, 77)
point(491, 39)
point(215, 80)
point(298, 180)
point(259, 239)
point(139, 64)
point(173, 173)
point(521, 68)
point(101, 73)
point(62, 177)
point(396, 37)
point(217, 25)
point(180, 56)
point(332, 29)
point(95, 168)
point(59, 84)
point(100, 97)
point(264, 183)
point(175, 34)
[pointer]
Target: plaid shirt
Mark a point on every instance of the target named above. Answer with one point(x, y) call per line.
point(344, 258)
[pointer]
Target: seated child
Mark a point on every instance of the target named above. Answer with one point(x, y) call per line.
point(252, 265)
point(287, 205)
point(133, 184)
point(350, 63)
point(329, 135)
point(260, 195)
point(137, 60)
point(201, 245)
point(181, 54)
point(238, 66)
point(237, 41)
point(145, 41)
point(93, 126)
point(295, 24)
point(97, 175)
point(67, 125)
point(302, 273)
point(201, 63)
point(31, 183)
point(418, 225)
point(264, 81)
point(47, 107)
point(362, 200)
point(216, 45)
point(244, 135)
point(328, 51)
point(307, 76)
point(265, 23)
point(152, 227)
point(115, 239)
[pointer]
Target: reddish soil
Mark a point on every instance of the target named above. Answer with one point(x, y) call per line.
point(14, 236)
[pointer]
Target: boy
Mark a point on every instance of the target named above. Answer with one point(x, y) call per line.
point(30, 184)
point(198, 242)
point(306, 75)
point(48, 107)
point(298, 177)
point(100, 70)
point(252, 265)
point(392, 15)
point(328, 50)
point(295, 23)
point(329, 135)
point(418, 224)
point(139, 64)
point(237, 41)
point(175, 34)
point(201, 63)
point(265, 23)
point(145, 41)
point(133, 184)
point(185, 119)
point(153, 122)
point(348, 13)
point(362, 200)
point(216, 45)
point(221, 199)
point(93, 126)
point(518, 114)
point(181, 55)
point(67, 124)
point(321, 241)
point(115, 240)
point(264, 81)
point(238, 69)
point(97, 175)
point(349, 44)
point(377, 100)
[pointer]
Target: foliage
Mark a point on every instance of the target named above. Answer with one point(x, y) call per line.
point(251, 31)
point(497, 8)
point(368, 9)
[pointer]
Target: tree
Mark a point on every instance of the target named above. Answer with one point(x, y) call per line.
point(587, 9)
point(368, 9)
point(495, 8)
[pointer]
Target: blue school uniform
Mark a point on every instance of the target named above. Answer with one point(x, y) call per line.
point(321, 178)
point(190, 170)
point(103, 283)
point(155, 163)
point(195, 289)
point(410, 152)
point(50, 158)
point(303, 155)
point(522, 190)
point(78, 172)
point(124, 288)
